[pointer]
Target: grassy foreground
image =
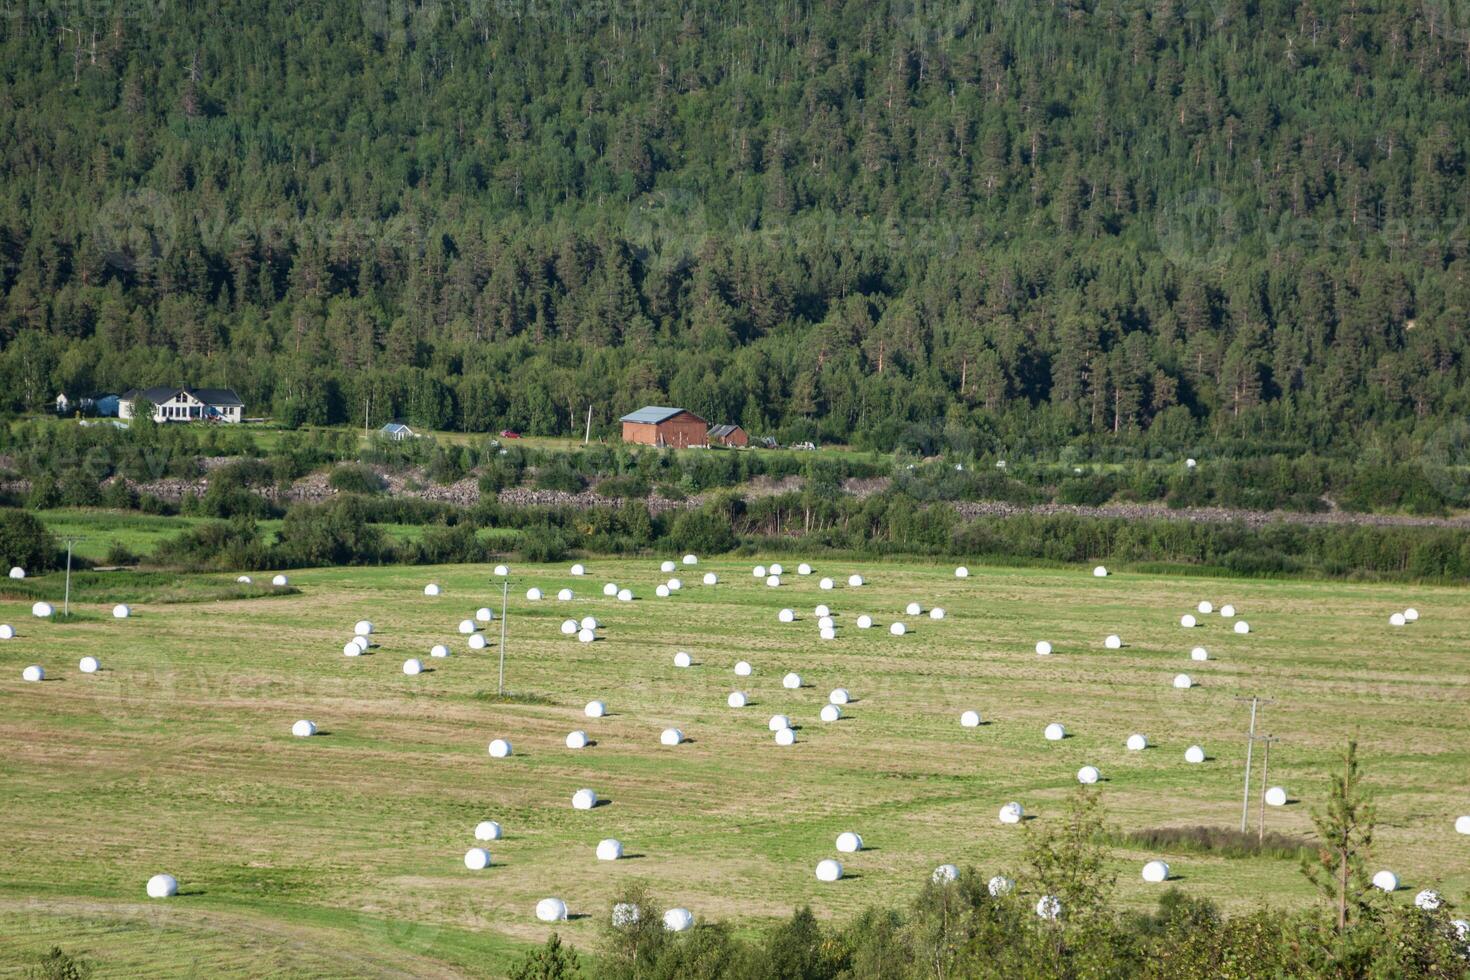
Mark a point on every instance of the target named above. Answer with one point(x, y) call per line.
point(342, 854)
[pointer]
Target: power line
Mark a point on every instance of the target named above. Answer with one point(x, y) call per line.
point(1245, 802)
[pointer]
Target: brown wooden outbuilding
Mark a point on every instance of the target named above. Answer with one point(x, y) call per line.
point(655, 425)
point(728, 435)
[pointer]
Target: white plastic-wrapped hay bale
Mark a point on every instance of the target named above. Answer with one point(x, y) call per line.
point(1428, 900)
point(791, 681)
point(865, 622)
point(777, 722)
point(1183, 682)
point(999, 885)
point(361, 642)
point(839, 695)
point(43, 610)
point(1397, 619)
point(758, 571)
point(691, 559)
point(936, 613)
point(163, 886)
point(678, 920)
point(671, 736)
point(826, 585)
point(849, 842)
point(962, 572)
point(1386, 881)
point(1137, 742)
point(1462, 824)
point(569, 627)
point(786, 616)
point(830, 712)
point(577, 739)
point(1199, 653)
point(466, 627)
point(776, 569)
point(584, 799)
point(35, 673)
point(488, 830)
point(1100, 572)
point(89, 665)
point(970, 719)
point(280, 580)
point(564, 595)
point(534, 594)
point(551, 910)
point(363, 627)
point(898, 629)
point(710, 578)
point(585, 636)
point(610, 590)
point(682, 659)
point(1155, 872)
point(1194, 755)
point(662, 591)
point(16, 572)
point(786, 736)
point(500, 749)
point(737, 699)
point(609, 849)
point(1188, 621)
point(667, 567)
point(1043, 648)
point(675, 584)
point(1113, 641)
point(477, 859)
point(484, 615)
point(1411, 615)
point(1191, 463)
point(774, 581)
point(1012, 813)
point(625, 595)
point(478, 641)
point(1227, 611)
point(827, 633)
point(855, 581)
point(803, 569)
point(245, 580)
point(1054, 732)
point(1276, 796)
point(595, 709)
point(1088, 775)
point(1205, 607)
point(579, 569)
point(432, 589)
point(1242, 627)
point(590, 623)
point(829, 869)
point(351, 649)
point(121, 611)
point(304, 728)
point(413, 666)
point(7, 632)
point(826, 622)
point(742, 668)
point(913, 609)
point(1049, 907)
point(944, 874)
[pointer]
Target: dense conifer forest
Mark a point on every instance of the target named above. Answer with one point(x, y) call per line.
point(1159, 222)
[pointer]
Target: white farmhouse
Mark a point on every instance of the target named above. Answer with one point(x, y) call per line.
point(185, 404)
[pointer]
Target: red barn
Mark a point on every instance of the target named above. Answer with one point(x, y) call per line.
point(728, 435)
point(655, 425)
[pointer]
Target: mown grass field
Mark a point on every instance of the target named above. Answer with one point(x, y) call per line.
point(342, 854)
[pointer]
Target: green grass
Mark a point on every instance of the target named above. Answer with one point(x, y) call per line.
point(342, 854)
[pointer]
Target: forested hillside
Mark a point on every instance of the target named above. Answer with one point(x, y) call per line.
point(995, 224)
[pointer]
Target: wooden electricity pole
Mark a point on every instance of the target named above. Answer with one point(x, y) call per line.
point(587, 436)
point(1250, 741)
point(66, 602)
point(1266, 741)
point(504, 603)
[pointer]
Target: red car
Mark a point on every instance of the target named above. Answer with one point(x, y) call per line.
point(509, 434)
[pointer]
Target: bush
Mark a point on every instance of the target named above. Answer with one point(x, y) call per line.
point(560, 476)
point(543, 544)
point(26, 542)
point(58, 965)
point(702, 532)
point(356, 478)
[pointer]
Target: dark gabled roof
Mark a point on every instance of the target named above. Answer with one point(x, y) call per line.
point(209, 396)
point(396, 427)
point(654, 414)
point(720, 431)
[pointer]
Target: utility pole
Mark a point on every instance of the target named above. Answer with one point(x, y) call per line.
point(66, 603)
point(504, 603)
point(587, 436)
point(1265, 784)
point(1250, 742)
